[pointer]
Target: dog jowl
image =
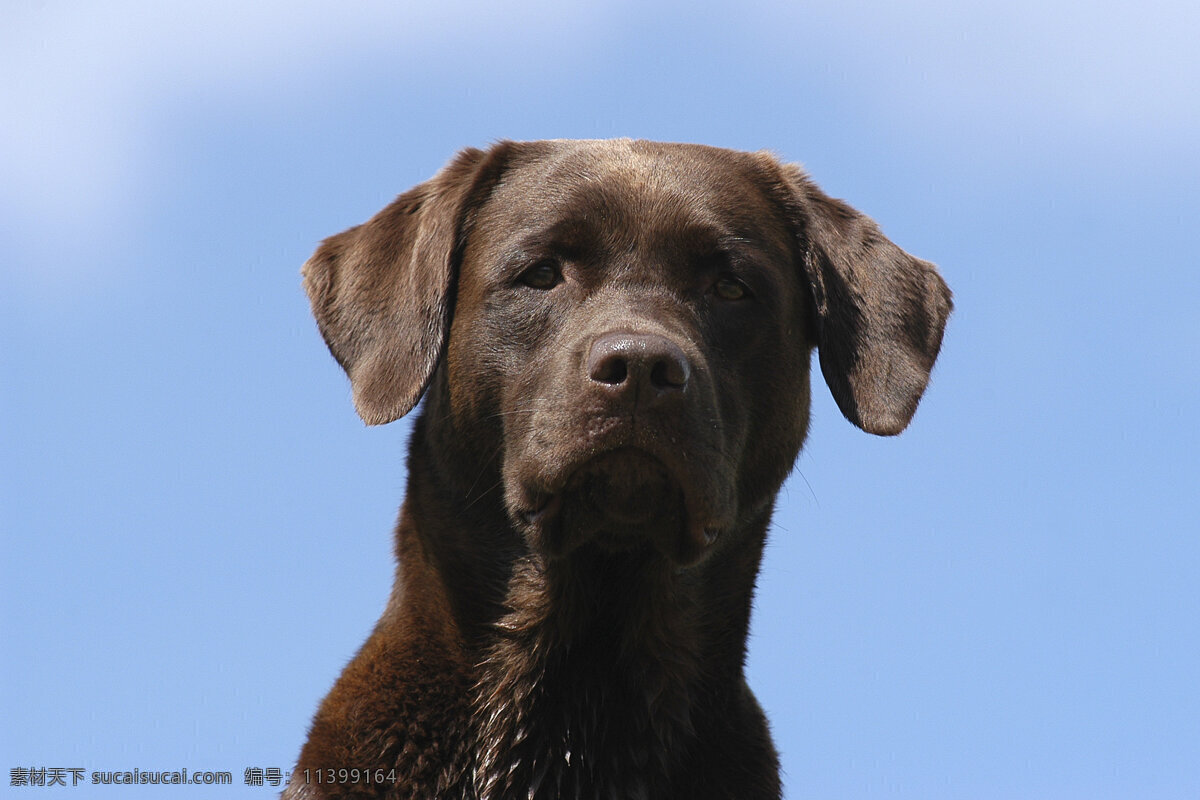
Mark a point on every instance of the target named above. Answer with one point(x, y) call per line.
point(612, 339)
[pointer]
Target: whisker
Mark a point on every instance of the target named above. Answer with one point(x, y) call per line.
point(487, 462)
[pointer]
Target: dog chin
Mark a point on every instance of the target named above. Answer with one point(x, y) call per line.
point(622, 500)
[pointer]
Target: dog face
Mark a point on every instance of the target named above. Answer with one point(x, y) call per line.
point(637, 311)
point(623, 329)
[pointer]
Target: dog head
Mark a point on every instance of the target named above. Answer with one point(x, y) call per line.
point(622, 330)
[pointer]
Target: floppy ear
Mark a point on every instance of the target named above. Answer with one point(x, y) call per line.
point(880, 312)
point(382, 292)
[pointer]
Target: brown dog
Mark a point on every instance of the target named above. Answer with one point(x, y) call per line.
point(613, 341)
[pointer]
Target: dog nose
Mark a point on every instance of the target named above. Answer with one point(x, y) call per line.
point(648, 366)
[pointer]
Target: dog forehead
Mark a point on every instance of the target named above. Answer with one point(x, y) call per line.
point(630, 194)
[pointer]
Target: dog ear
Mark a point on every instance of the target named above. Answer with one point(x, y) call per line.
point(880, 312)
point(383, 291)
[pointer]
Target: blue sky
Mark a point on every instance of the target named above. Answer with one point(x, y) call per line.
point(1004, 602)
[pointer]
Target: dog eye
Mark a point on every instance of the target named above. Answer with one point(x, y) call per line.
point(728, 287)
point(543, 275)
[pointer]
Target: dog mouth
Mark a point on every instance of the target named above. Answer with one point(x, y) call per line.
point(627, 487)
point(624, 499)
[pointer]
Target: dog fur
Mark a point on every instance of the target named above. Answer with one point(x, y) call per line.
point(612, 339)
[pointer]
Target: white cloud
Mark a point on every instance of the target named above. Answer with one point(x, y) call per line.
point(80, 83)
point(1088, 69)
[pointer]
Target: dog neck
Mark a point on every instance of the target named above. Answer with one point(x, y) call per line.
point(586, 688)
point(586, 669)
